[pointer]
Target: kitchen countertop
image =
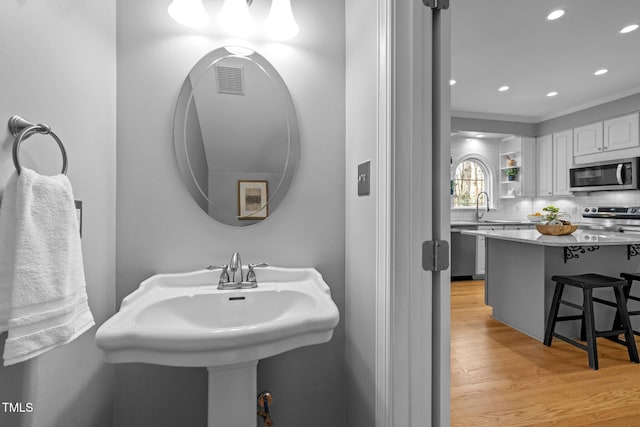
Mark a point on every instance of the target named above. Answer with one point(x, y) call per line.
point(490, 222)
point(578, 238)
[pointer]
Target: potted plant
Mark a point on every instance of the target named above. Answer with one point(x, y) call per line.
point(511, 173)
point(553, 216)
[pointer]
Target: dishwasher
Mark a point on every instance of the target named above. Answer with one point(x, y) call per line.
point(463, 254)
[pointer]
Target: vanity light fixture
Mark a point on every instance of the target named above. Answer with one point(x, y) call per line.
point(555, 15)
point(553, 93)
point(190, 13)
point(629, 28)
point(601, 72)
point(280, 23)
point(234, 17)
point(503, 88)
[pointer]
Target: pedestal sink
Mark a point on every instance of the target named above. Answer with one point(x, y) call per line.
point(184, 320)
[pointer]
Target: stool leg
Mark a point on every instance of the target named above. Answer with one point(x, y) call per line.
point(628, 332)
point(592, 351)
point(617, 323)
point(553, 314)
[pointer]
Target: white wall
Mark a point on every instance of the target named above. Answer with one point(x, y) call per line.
point(362, 128)
point(58, 67)
point(161, 229)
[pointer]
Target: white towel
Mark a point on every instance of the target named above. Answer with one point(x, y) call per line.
point(41, 267)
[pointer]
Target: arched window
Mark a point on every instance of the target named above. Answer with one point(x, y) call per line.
point(470, 179)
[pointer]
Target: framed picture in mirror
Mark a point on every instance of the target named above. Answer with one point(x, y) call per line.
point(253, 199)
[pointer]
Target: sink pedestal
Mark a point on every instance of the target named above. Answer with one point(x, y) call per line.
point(232, 395)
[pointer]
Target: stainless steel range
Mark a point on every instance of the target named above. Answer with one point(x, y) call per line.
point(612, 218)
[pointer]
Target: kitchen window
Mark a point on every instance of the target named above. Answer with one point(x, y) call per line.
point(471, 177)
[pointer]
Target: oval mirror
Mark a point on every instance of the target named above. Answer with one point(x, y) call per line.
point(236, 136)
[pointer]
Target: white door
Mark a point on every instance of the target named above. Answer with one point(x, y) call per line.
point(419, 325)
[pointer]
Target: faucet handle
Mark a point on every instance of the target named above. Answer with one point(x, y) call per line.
point(224, 274)
point(251, 275)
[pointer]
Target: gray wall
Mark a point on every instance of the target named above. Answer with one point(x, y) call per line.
point(607, 110)
point(604, 111)
point(58, 67)
point(161, 229)
point(362, 134)
point(493, 126)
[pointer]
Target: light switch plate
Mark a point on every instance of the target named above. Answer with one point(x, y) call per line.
point(364, 178)
point(79, 214)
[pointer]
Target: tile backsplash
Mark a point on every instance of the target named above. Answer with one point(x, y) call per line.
point(519, 208)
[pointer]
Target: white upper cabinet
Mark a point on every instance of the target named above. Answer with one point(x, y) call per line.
point(544, 163)
point(562, 159)
point(621, 132)
point(609, 140)
point(588, 139)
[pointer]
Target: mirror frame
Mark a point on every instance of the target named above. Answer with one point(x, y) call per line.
point(185, 98)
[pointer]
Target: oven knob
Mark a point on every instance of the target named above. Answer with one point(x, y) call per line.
point(594, 210)
point(633, 210)
point(586, 209)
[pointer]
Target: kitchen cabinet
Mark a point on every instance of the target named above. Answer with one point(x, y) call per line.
point(621, 132)
point(618, 133)
point(517, 153)
point(480, 247)
point(588, 139)
point(562, 159)
point(544, 166)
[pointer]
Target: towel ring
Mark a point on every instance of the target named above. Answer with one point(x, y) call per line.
point(22, 129)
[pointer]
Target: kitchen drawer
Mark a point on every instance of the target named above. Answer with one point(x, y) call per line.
point(519, 227)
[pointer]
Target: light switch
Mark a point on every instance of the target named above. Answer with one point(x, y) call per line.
point(364, 178)
point(79, 214)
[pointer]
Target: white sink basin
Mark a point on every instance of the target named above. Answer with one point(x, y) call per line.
point(184, 320)
point(220, 311)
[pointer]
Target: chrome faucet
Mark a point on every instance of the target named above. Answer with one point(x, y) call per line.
point(227, 281)
point(234, 265)
point(486, 197)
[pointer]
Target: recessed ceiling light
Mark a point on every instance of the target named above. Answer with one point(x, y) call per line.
point(452, 82)
point(553, 93)
point(601, 72)
point(480, 136)
point(629, 28)
point(503, 88)
point(555, 15)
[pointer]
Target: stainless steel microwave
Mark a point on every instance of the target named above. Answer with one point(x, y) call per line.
point(610, 175)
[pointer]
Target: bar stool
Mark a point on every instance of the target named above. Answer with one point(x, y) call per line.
point(588, 282)
point(630, 278)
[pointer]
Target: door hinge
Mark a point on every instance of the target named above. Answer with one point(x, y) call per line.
point(436, 4)
point(435, 255)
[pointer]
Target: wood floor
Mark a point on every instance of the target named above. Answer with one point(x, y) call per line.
point(501, 377)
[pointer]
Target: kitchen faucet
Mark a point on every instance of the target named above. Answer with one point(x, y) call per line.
point(486, 197)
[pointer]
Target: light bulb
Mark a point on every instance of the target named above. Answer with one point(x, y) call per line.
point(280, 23)
point(234, 17)
point(189, 12)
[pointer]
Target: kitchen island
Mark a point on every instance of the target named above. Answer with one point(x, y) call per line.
point(520, 264)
